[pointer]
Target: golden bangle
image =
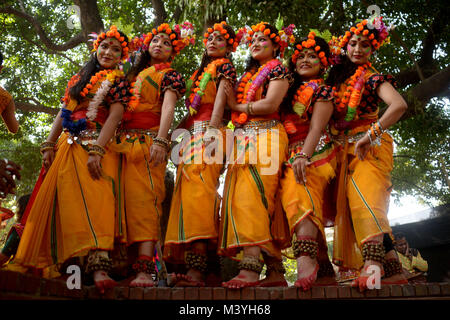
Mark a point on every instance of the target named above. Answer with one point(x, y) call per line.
point(94, 152)
point(97, 149)
point(162, 142)
point(46, 145)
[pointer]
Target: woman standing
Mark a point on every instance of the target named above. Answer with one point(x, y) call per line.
point(366, 159)
point(312, 158)
point(193, 228)
point(74, 211)
point(143, 141)
point(259, 149)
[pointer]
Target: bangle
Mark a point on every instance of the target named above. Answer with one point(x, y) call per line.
point(97, 150)
point(47, 145)
point(162, 142)
point(250, 108)
point(301, 154)
point(209, 126)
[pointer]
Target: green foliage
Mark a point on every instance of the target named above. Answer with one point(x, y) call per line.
point(422, 159)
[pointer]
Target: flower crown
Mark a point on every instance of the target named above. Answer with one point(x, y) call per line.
point(180, 36)
point(283, 37)
point(220, 27)
point(366, 28)
point(112, 33)
point(308, 44)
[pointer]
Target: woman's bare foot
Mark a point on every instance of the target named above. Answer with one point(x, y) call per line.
point(193, 278)
point(245, 278)
point(361, 281)
point(142, 280)
point(273, 279)
point(103, 281)
point(307, 269)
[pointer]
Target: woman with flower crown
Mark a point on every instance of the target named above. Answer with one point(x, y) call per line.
point(192, 231)
point(143, 142)
point(312, 159)
point(248, 209)
point(362, 231)
point(73, 214)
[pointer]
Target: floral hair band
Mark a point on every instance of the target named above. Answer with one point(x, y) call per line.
point(180, 36)
point(283, 37)
point(310, 43)
point(365, 28)
point(112, 33)
point(220, 28)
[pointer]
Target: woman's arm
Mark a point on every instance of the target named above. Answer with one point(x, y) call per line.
point(321, 115)
point(9, 117)
point(49, 154)
point(107, 132)
point(396, 108)
point(157, 152)
point(270, 104)
point(219, 103)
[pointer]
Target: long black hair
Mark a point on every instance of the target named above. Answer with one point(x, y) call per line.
point(207, 59)
point(143, 61)
point(87, 71)
point(346, 68)
point(286, 106)
point(253, 64)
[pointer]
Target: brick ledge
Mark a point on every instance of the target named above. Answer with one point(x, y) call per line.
point(14, 285)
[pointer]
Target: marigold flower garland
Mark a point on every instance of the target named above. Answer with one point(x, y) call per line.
point(301, 101)
point(257, 80)
point(75, 127)
point(352, 95)
point(303, 96)
point(193, 103)
point(136, 87)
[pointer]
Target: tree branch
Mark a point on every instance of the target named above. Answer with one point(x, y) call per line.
point(405, 47)
point(29, 107)
point(160, 11)
point(177, 13)
point(49, 51)
point(435, 86)
point(72, 43)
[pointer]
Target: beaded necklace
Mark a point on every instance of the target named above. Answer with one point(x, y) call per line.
point(209, 72)
point(137, 86)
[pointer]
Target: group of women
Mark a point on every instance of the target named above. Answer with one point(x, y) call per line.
point(108, 148)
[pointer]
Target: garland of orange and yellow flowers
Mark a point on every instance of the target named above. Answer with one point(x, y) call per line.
point(353, 93)
point(246, 93)
point(301, 101)
point(193, 103)
point(107, 78)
